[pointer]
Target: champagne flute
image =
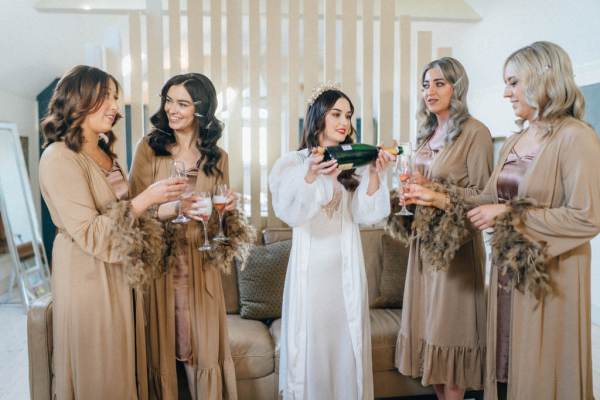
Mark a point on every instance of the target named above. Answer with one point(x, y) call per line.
point(178, 171)
point(204, 212)
point(404, 168)
point(219, 203)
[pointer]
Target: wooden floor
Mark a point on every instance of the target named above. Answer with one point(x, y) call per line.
point(13, 354)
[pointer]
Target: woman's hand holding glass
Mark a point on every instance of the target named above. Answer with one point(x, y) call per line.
point(420, 195)
point(198, 206)
point(159, 192)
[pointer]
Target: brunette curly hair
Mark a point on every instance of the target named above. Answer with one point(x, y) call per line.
point(208, 128)
point(78, 93)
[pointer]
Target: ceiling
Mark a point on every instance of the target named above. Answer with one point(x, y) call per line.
point(41, 39)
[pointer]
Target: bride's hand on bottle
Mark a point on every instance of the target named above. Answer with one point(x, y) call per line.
point(316, 167)
point(383, 161)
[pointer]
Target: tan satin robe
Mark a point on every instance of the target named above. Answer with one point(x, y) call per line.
point(93, 329)
point(442, 334)
point(215, 373)
point(550, 354)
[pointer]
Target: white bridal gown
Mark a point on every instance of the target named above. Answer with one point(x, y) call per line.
point(325, 342)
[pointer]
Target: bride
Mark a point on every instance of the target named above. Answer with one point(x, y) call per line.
point(326, 338)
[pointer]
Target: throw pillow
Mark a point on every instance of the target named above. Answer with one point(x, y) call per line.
point(262, 280)
point(393, 273)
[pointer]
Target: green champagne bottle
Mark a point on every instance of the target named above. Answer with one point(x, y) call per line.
point(356, 154)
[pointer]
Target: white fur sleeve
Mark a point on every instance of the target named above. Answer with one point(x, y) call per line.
point(294, 200)
point(370, 209)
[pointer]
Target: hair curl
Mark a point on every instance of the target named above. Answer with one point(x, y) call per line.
point(208, 128)
point(453, 72)
point(80, 92)
point(314, 125)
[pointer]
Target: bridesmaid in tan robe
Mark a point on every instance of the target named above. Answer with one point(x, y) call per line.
point(539, 334)
point(442, 334)
point(104, 243)
point(185, 308)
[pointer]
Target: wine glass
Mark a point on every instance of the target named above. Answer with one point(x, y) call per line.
point(204, 212)
point(219, 203)
point(178, 171)
point(404, 168)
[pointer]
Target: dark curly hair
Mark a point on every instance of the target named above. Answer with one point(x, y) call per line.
point(208, 128)
point(79, 93)
point(314, 124)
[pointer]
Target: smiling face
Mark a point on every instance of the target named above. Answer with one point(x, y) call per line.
point(103, 119)
point(437, 91)
point(337, 124)
point(180, 109)
point(515, 92)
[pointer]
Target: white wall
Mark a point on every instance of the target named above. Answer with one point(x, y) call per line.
point(505, 26)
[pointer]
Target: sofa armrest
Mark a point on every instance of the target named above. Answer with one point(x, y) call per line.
point(39, 348)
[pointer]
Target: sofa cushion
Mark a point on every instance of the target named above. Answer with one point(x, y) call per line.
point(261, 282)
point(385, 325)
point(252, 348)
point(393, 274)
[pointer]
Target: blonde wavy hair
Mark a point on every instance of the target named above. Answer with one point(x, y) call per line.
point(454, 73)
point(546, 72)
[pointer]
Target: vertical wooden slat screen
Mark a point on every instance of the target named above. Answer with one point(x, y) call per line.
point(310, 60)
point(405, 75)
point(154, 35)
point(293, 72)
point(311, 47)
point(195, 38)
point(424, 40)
point(174, 37)
point(368, 135)
point(234, 81)
point(329, 53)
point(254, 58)
point(215, 44)
point(444, 52)
point(274, 84)
point(349, 49)
point(136, 99)
point(386, 71)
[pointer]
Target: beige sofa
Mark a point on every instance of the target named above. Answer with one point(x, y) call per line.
point(254, 344)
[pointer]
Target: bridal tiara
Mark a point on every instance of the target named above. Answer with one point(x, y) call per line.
point(319, 90)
